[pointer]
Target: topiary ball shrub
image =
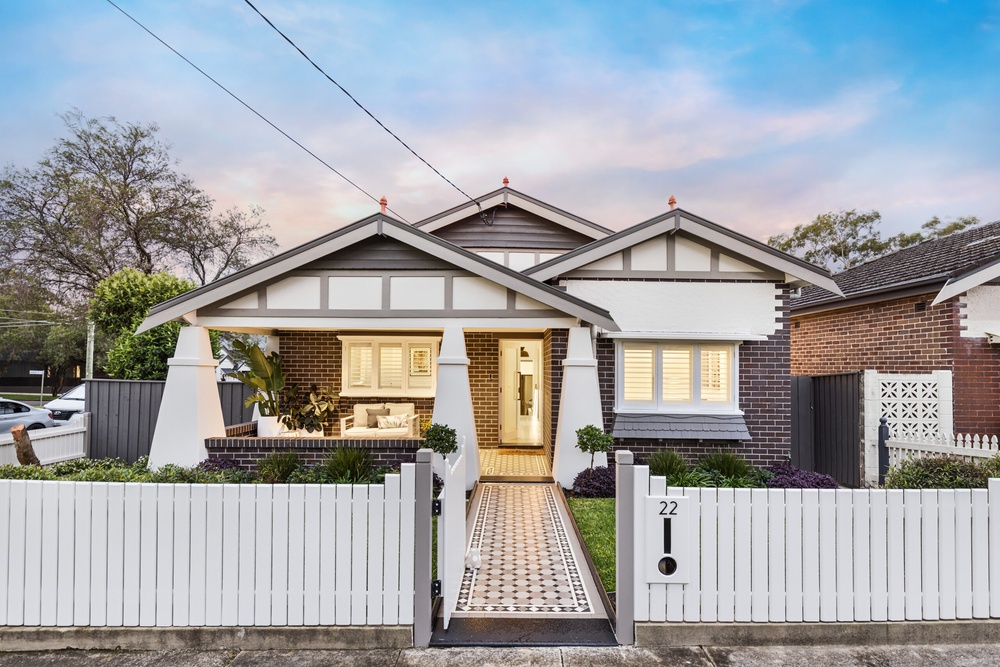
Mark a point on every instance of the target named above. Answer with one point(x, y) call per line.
point(787, 476)
point(600, 484)
point(938, 472)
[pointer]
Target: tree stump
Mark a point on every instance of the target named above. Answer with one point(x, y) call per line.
point(22, 444)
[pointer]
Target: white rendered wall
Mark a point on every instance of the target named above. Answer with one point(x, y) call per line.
point(295, 293)
point(720, 308)
point(191, 409)
point(478, 294)
point(982, 311)
point(355, 293)
point(453, 398)
point(416, 293)
point(579, 406)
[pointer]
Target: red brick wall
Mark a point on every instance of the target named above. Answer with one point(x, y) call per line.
point(976, 386)
point(901, 336)
point(891, 337)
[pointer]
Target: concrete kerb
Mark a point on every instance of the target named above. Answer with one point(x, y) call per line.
point(236, 638)
point(986, 631)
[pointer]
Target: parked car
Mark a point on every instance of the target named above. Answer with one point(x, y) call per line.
point(68, 404)
point(13, 413)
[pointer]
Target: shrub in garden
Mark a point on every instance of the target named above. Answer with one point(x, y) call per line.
point(938, 472)
point(349, 465)
point(666, 463)
point(787, 476)
point(690, 478)
point(277, 467)
point(595, 483)
point(724, 465)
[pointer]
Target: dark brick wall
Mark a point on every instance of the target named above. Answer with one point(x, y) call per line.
point(247, 451)
point(765, 398)
point(483, 350)
point(554, 346)
point(314, 357)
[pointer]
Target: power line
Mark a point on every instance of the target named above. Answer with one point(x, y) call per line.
point(251, 109)
point(362, 107)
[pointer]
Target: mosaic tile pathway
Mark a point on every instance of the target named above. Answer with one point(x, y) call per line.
point(528, 565)
point(513, 463)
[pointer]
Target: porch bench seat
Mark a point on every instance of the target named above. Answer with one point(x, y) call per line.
point(359, 424)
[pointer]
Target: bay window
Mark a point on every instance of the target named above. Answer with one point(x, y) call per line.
point(389, 366)
point(678, 377)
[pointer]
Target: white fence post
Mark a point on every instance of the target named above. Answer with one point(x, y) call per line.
point(625, 547)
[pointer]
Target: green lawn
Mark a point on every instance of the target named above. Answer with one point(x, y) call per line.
point(26, 397)
point(596, 519)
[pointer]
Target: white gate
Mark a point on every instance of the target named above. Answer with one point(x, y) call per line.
point(451, 533)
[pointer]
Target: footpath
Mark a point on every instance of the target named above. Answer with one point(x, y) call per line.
point(959, 655)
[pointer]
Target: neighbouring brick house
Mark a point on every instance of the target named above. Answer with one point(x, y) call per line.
point(674, 331)
point(926, 308)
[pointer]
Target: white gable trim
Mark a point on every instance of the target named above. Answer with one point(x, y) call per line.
point(977, 277)
point(672, 223)
point(186, 307)
point(512, 197)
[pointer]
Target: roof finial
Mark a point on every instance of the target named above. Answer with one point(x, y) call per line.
point(506, 182)
point(673, 202)
point(383, 202)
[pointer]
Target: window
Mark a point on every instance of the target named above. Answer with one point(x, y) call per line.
point(389, 366)
point(676, 377)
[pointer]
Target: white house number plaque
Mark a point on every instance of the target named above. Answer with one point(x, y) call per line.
point(669, 549)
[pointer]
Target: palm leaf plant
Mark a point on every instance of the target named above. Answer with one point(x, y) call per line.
point(265, 377)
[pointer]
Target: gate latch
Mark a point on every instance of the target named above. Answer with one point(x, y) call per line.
point(435, 507)
point(436, 588)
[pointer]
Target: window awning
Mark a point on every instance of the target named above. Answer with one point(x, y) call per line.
point(680, 427)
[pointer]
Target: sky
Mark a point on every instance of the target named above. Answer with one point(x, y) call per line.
point(757, 115)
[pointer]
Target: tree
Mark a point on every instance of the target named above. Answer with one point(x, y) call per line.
point(120, 304)
point(837, 241)
point(109, 197)
point(845, 239)
point(25, 315)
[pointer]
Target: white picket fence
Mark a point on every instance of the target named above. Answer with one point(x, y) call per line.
point(790, 555)
point(51, 445)
point(111, 554)
point(967, 447)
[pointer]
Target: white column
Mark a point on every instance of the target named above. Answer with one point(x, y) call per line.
point(191, 410)
point(579, 405)
point(453, 398)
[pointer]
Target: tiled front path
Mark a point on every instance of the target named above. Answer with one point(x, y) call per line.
point(532, 564)
point(513, 462)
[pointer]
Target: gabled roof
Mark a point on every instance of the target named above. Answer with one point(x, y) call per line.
point(949, 266)
point(375, 225)
point(681, 220)
point(521, 200)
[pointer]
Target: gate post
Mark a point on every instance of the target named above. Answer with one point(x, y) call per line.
point(422, 621)
point(625, 547)
point(883, 450)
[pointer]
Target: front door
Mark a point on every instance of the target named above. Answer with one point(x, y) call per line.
point(520, 391)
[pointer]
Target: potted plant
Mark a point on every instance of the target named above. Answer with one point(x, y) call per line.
point(592, 440)
point(266, 378)
point(311, 410)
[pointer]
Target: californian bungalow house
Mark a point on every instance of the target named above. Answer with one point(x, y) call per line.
point(514, 322)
